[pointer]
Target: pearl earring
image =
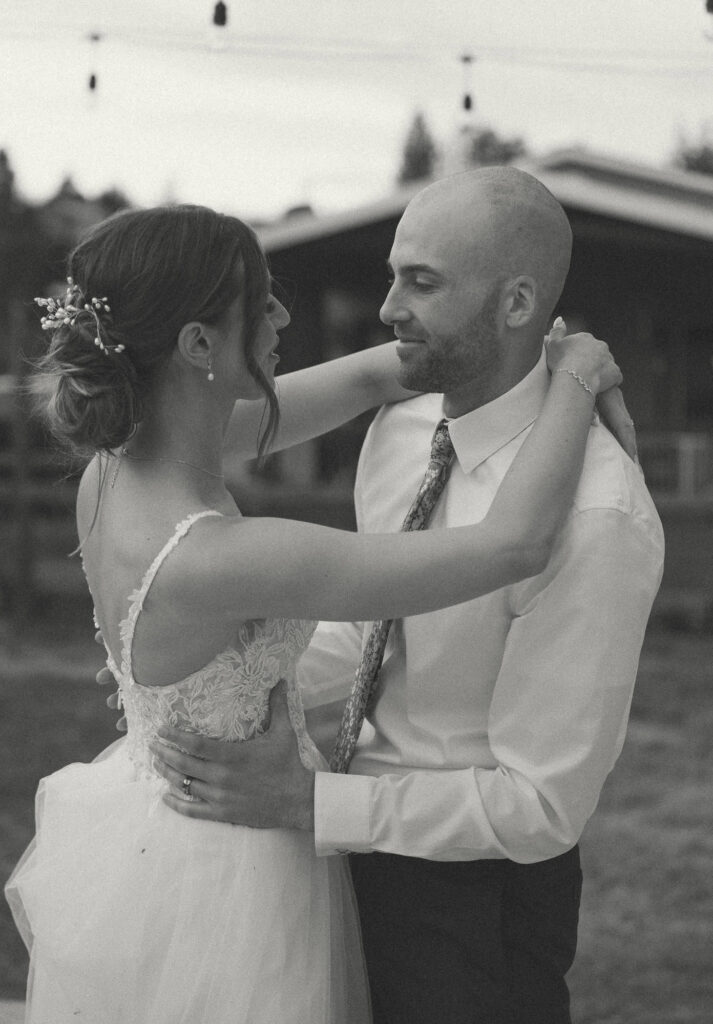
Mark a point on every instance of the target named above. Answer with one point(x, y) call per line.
point(211, 375)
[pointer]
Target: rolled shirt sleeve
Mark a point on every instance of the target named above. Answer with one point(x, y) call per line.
point(557, 718)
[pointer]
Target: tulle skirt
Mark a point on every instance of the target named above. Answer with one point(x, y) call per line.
point(134, 914)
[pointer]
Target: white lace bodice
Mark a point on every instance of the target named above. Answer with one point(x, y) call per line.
point(228, 697)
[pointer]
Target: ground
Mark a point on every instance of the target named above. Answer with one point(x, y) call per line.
point(647, 913)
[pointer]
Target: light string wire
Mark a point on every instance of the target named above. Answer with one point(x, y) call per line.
point(632, 62)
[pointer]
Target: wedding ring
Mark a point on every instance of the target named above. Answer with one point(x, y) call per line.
point(186, 785)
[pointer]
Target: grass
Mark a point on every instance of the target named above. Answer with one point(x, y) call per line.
point(647, 914)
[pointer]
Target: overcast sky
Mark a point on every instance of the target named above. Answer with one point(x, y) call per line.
point(310, 100)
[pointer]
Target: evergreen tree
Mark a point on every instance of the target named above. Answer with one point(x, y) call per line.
point(113, 200)
point(696, 156)
point(23, 255)
point(490, 148)
point(419, 155)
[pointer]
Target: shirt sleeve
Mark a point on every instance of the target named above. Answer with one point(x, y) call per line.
point(325, 672)
point(557, 719)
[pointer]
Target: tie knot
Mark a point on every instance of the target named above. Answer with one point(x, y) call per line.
point(442, 450)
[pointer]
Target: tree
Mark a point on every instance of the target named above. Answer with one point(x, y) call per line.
point(23, 255)
point(696, 156)
point(113, 200)
point(419, 154)
point(490, 148)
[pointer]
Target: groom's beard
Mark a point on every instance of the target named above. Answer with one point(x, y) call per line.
point(447, 363)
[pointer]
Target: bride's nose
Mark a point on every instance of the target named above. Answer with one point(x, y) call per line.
point(279, 315)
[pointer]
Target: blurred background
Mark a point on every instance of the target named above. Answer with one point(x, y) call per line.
point(316, 121)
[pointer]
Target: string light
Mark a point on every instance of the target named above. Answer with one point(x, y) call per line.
point(633, 62)
point(94, 38)
point(218, 35)
point(467, 61)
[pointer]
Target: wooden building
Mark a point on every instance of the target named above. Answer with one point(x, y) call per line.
point(641, 277)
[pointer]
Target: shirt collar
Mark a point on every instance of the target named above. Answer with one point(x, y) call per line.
point(481, 433)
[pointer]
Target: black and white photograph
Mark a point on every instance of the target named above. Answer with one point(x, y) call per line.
point(356, 512)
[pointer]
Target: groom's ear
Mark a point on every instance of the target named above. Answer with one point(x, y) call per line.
point(520, 303)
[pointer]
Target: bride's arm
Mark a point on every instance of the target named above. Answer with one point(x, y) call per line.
point(320, 398)
point(270, 567)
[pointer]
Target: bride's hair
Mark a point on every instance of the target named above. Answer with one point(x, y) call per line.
point(135, 280)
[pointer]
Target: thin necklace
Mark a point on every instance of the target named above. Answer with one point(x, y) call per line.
point(158, 458)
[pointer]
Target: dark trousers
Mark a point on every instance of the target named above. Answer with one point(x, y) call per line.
point(468, 942)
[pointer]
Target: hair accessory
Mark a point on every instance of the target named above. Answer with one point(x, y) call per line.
point(63, 312)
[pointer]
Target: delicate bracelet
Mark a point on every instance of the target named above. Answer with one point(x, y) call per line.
point(580, 380)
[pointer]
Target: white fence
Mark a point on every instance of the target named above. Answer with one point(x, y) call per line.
point(678, 465)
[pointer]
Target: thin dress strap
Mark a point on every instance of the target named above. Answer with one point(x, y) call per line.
point(136, 599)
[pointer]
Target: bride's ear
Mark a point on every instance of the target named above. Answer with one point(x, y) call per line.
point(194, 346)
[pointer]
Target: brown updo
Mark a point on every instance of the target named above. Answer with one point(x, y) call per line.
point(158, 269)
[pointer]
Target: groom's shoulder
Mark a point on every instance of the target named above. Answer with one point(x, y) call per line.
point(611, 480)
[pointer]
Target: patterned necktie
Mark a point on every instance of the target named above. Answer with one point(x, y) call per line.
point(373, 651)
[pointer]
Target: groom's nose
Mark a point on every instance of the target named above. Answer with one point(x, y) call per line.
point(393, 310)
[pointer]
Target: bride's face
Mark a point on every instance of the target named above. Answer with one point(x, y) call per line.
point(274, 319)
point(266, 340)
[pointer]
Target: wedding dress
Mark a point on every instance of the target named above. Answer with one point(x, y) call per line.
point(135, 914)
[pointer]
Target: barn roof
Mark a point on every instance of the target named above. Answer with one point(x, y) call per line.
point(663, 198)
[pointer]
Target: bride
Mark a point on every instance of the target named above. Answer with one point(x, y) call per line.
point(159, 355)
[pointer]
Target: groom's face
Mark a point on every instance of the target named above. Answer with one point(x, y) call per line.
point(443, 304)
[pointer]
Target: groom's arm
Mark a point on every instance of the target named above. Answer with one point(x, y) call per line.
point(556, 725)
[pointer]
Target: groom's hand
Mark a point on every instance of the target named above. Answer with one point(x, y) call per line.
point(260, 782)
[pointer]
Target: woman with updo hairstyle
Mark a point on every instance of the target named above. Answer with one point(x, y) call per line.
point(162, 268)
point(161, 355)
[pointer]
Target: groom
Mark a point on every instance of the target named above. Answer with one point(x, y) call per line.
point(497, 721)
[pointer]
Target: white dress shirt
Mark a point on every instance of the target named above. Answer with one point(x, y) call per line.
point(496, 721)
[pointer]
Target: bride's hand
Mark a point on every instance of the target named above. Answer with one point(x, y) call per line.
point(610, 401)
point(582, 355)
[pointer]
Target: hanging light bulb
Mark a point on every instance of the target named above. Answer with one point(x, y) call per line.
point(466, 60)
point(706, 31)
point(94, 38)
point(218, 26)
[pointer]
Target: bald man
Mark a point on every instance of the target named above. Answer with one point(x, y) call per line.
point(496, 722)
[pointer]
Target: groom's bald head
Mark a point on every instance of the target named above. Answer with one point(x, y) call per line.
point(503, 223)
point(479, 261)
